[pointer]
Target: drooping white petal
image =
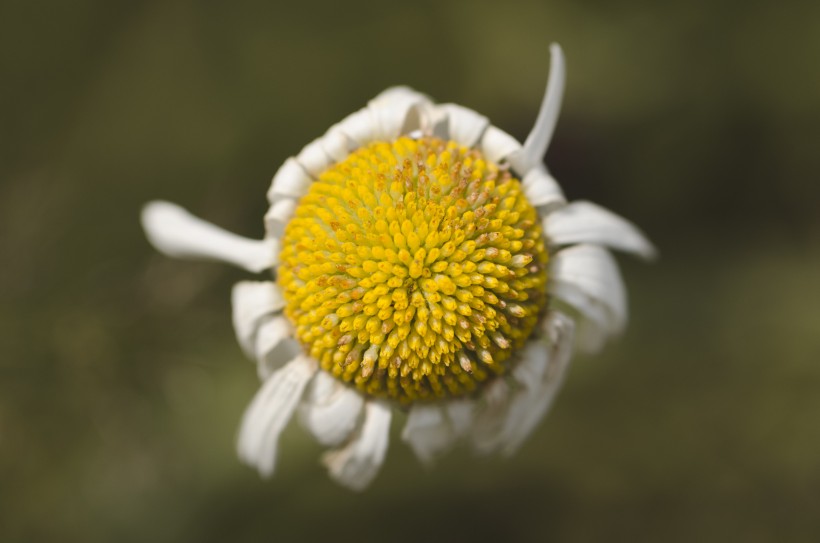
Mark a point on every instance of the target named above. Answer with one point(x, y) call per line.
point(541, 188)
point(460, 413)
point(497, 145)
point(290, 179)
point(585, 222)
point(278, 216)
point(587, 278)
point(175, 232)
point(330, 410)
point(269, 413)
point(489, 419)
point(251, 301)
point(536, 144)
point(537, 396)
point(464, 126)
point(357, 463)
point(274, 345)
point(428, 432)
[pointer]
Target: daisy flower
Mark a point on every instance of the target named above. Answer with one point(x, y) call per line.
point(422, 260)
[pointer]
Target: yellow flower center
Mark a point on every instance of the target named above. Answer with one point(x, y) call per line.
point(414, 269)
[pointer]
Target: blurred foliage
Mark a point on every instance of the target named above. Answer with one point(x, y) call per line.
point(120, 381)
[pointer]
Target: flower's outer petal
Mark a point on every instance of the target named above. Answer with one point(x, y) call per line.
point(274, 345)
point(460, 413)
point(464, 126)
point(175, 232)
point(357, 463)
point(587, 278)
point(428, 432)
point(397, 111)
point(541, 188)
point(278, 216)
point(330, 410)
point(359, 127)
point(489, 418)
point(537, 396)
point(290, 180)
point(585, 222)
point(313, 158)
point(251, 301)
point(270, 411)
point(536, 144)
point(336, 144)
point(497, 145)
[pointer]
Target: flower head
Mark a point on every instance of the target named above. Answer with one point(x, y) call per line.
point(423, 260)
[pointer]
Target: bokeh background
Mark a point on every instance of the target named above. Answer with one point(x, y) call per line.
point(121, 384)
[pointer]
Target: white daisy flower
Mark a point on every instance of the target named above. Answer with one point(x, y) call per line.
point(422, 260)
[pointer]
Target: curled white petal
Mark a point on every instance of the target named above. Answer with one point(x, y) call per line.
point(359, 127)
point(541, 188)
point(587, 278)
point(397, 111)
point(274, 345)
point(536, 144)
point(460, 413)
point(278, 216)
point(497, 145)
point(313, 158)
point(330, 410)
point(269, 413)
point(290, 179)
point(357, 463)
point(464, 126)
point(585, 222)
point(428, 432)
point(251, 301)
point(336, 144)
point(175, 232)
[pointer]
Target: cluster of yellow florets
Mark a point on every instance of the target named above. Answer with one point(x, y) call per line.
point(413, 269)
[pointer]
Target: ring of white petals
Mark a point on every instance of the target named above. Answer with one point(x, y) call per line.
point(583, 278)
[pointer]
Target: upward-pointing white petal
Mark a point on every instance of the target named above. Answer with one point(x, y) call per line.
point(175, 232)
point(535, 147)
point(357, 463)
point(269, 413)
point(585, 222)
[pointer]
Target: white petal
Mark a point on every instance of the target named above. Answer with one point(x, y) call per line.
point(497, 145)
point(274, 344)
point(290, 180)
point(251, 301)
point(460, 413)
point(175, 232)
point(313, 158)
point(330, 410)
point(587, 278)
point(357, 463)
point(397, 111)
point(541, 188)
point(336, 144)
point(536, 399)
point(585, 222)
point(535, 147)
point(359, 126)
point(428, 432)
point(269, 413)
point(464, 125)
point(278, 216)
point(489, 420)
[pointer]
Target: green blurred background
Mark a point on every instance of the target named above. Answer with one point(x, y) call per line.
point(121, 384)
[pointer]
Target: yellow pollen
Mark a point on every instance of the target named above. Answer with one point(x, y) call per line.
point(412, 270)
